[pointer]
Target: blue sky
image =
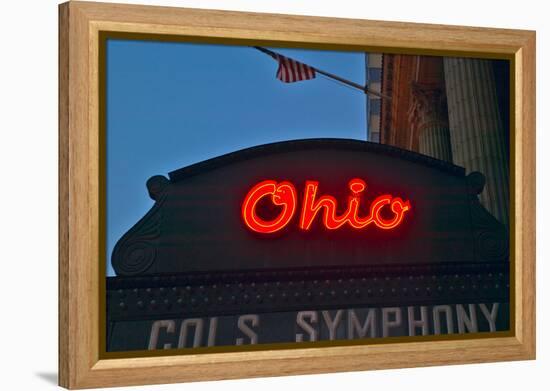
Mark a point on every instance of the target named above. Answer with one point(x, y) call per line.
point(174, 104)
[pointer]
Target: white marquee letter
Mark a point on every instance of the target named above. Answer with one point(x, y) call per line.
point(255, 321)
point(464, 320)
point(387, 323)
point(490, 316)
point(422, 322)
point(194, 322)
point(368, 326)
point(332, 324)
point(437, 310)
point(301, 321)
point(170, 326)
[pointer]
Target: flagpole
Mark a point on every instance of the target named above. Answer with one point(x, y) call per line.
point(364, 89)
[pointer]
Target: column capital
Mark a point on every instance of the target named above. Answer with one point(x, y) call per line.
point(428, 104)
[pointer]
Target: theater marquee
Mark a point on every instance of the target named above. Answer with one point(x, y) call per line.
point(309, 240)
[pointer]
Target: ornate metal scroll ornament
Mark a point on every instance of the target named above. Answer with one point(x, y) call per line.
point(136, 251)
point(490, 236)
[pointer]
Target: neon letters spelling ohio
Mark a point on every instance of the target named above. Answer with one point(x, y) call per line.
point(284, 194)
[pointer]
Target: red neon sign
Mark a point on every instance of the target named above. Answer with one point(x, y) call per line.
point(284, 194)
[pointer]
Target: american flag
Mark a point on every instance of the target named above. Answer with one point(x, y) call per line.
point(291, 71)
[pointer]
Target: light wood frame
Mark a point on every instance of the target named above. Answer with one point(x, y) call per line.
point(80, 168)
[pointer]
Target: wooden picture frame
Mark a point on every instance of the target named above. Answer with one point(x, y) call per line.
point(81, 364)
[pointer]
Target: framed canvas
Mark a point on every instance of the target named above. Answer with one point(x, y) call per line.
point(247, 195)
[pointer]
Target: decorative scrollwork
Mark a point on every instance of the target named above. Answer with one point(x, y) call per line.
point(136, 251)
point(490, 236)
point(492, 245)
point(135, 258)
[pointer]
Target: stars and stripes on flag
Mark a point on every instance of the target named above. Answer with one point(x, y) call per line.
point(291, 71)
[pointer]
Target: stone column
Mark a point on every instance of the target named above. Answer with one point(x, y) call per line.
point(477, 136)
point(429, 116)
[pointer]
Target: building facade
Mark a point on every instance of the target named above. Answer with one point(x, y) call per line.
point(373, 77)
point(452, 109)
